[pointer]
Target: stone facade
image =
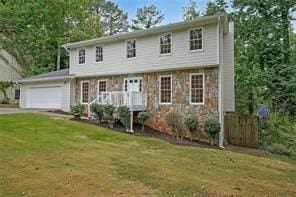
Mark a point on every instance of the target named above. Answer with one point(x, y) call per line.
point(180, 95)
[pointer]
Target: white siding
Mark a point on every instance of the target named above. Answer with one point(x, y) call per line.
point(10, 70)
point(148, 58)
point(66, 92)
point(228, 70)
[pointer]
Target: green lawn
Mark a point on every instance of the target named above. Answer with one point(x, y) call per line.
point(41, 156)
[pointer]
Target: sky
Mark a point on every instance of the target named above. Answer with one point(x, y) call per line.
point(172, 9)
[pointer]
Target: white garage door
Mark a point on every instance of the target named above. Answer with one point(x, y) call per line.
point(45, 97)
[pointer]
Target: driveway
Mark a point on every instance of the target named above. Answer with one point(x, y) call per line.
point(19, 110)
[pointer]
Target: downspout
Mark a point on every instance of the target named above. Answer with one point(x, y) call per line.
point(221, 104)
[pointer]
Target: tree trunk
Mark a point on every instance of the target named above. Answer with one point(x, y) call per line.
point(59, 57)
point(251, 102)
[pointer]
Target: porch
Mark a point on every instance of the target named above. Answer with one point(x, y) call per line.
point(135, 101)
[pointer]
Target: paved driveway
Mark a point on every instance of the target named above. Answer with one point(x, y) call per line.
point(19, 110)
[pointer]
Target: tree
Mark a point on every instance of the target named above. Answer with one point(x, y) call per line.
point(4, 85)
point(215, 7)
point(190, 11)
point(41, 27)
point(147, 17)
point(266, 53)
point(113, 19)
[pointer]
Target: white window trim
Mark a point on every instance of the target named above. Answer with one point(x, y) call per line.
point(130, 58)
point(202, 40)
point(159, 47)
point(102, 80)
point(84, 56)
point(99, 62)
point(81, 90)
point(159, 89)
point(203, 94)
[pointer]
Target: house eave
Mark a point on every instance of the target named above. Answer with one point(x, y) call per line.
point(45, 79)
point(142, 33)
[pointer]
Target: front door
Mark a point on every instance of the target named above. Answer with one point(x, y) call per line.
point(133, 84)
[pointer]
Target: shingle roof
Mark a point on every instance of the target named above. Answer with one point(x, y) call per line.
point(51, 75)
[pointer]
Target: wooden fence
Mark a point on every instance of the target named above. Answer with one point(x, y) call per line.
point(242, 130)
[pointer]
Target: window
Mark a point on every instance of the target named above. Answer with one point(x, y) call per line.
point(195, 37)
point(99, 54)
point(102, 86)
point(165, 43)
point(197, 88)
point(84, 91)
point(131, 48)
point(17, 94)
point(165, 90)
point(81, 56)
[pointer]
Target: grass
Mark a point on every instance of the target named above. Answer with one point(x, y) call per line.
point(40, 155)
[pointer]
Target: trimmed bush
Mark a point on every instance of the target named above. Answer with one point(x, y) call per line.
point(77, 110)
point(174, 121)
point(109, 111)
point(143, 117)
point(5, 100)
point(124, 116)
point(98, 110)
point(192, 125)
point(212, 128)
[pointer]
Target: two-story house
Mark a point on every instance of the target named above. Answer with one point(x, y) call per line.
point(187, 67)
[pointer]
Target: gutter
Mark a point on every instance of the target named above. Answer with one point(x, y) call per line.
point(221, 104)
point(45, 79)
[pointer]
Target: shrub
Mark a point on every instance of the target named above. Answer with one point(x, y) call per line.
point(124, 116)
point(174, 121)
point(279, 149)
point(109, 111)
point(5, 100)
point(77, 110)
point(143, 117)
point(98, 110)
point(212, 128)
point(192, 124)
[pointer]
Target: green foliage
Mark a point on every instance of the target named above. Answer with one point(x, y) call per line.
point(174, 121)
point(212, 128)
point(192, 124)
point(143, 117)
point(109, 111)
point(190, 11)
point(36, 30)
point(147, 17)
point(279, 136)
point(124, 115)
point(113, 19)
point(215, 7)
point(98, 110)
point(77, 110)
point(4, 85)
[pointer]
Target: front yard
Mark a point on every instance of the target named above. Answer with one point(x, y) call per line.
point(41, 156)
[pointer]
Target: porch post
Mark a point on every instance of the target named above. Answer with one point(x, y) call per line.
point(132, 121)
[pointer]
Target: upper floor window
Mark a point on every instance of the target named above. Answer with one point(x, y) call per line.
point(165, 43)
point(99, 53)
point(84, 91)
point(165, 89)
point(81, 56)
point(197, 88)
point(195, 39)
point(131, 48)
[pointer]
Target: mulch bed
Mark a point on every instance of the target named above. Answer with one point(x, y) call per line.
point(11, 105)
point(149, 132)
point(59, 112)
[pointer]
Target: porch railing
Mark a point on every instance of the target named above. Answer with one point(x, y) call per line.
point(133, 100)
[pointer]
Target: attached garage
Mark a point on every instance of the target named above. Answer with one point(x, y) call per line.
point(48, 91)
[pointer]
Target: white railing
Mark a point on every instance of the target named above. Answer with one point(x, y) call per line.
point(133, 100)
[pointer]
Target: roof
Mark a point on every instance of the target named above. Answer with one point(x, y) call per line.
point(155, 30)
point(55, 75)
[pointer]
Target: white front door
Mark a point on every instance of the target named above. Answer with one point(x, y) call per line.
point(133, 84)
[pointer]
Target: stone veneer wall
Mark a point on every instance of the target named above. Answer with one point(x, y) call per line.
point(180, 95)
